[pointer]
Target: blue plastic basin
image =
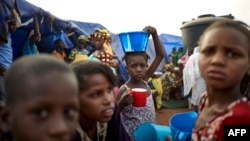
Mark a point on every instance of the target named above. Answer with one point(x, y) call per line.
point(136, 41)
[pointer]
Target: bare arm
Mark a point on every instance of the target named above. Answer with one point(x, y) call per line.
point(37, 35)
point(159, 54)
point(36, 25)
point(123, 98)
point(120, 92)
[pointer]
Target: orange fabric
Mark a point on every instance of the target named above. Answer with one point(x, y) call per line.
point(58, 55)
point(108, 48)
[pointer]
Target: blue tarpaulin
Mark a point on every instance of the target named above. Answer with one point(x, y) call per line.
point(59, 28)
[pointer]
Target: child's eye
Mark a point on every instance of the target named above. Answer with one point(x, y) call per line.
point(143, 65)
point(133, 66)
point(110, 90)
point(70, 112)
point(208, 52)
point(232, 54)
point(42, 113)
point(96, 94)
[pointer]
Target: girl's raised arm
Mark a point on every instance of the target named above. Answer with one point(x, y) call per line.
point(159, 52)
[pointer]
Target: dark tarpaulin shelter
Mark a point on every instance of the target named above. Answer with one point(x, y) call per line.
point(52, 28)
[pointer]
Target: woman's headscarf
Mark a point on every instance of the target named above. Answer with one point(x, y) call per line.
point(101, 33)
point(83, 37)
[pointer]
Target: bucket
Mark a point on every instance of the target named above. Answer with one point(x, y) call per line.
point(135, 41)
point(181, 125)
point(151, 132)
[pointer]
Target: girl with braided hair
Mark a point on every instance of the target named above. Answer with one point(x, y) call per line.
point(139, 73)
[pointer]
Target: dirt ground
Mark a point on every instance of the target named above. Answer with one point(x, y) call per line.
point(163, 115)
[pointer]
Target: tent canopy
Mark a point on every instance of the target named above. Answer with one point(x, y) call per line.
point(52, 28)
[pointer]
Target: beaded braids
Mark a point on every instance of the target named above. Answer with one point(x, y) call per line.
point(101, 33)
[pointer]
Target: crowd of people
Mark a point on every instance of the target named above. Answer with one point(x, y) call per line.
point(87, 75)
point(71, 97)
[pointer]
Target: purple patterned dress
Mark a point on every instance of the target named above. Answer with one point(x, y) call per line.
point(134, 116)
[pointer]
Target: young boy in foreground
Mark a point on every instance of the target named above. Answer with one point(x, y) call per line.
point(42, 101)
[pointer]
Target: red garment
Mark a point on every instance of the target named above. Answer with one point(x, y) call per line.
point(237, 113)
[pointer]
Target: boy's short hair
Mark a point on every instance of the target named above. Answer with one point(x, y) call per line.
point(27, 67)
point(87, 68)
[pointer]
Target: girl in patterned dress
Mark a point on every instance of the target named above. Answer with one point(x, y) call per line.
point(139, 72)
point(224, 60)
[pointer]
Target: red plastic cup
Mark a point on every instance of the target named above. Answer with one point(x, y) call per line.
point(140, 97)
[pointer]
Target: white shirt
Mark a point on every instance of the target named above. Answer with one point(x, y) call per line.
point(192, 78)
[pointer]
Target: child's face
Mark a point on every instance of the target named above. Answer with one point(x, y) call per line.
point(97, 100)
point(49, 112)
point(137, 67)
point(81, 43)
point(224, 57)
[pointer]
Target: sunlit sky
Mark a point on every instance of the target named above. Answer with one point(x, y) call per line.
point(132, 15)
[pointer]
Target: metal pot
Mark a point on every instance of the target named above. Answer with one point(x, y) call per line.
point(191, 30)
